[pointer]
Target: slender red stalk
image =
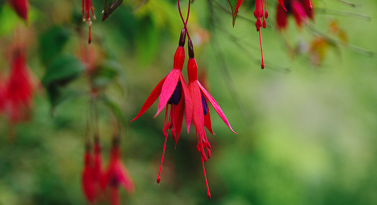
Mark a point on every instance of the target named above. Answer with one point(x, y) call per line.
point(188, 14)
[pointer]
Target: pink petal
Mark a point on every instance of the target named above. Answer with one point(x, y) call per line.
point(126, 180)
point(150, 100)
point(281, 18)
point(188, 103)
point(197, 115)
point(298, 13)
point(168, 88)
point(215, 106)
point(282, 4)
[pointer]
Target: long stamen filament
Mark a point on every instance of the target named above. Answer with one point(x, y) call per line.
point(205, 177)
point(261, 48)
point(162, 160)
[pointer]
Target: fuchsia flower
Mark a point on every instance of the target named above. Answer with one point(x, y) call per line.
point(92, 173)
point(18, 91)
point(260, 13)
point(2, 97)
point(300, 9)
point(21, 7)
point(87, 10)
point(201, 115)
point(87, 177)
point(171, 90)
point(116, 174)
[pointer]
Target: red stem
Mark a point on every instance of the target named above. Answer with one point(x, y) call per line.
point(188, 14)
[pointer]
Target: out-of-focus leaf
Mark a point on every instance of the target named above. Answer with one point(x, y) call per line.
point(52, 43)
point(62, 70)
point(110, 6)
point(106, 72)
point(148, 42)
point(8, 20)
point(58, 95)
point(114, 108)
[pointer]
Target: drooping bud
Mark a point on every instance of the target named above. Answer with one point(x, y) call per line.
point(191, 49)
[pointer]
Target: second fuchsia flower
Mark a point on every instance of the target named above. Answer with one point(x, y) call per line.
point(201, 115)
point(116, 174)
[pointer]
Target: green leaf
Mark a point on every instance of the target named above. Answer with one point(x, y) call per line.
point(52, 43)
point(8, 20)
point(62, 70)
point(113, 108)
point(106, 72)
point(58, 95)
point(110, 6)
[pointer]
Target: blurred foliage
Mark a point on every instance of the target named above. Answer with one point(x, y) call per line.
point(306, 130)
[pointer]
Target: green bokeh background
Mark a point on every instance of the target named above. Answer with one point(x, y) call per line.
point(306, 134)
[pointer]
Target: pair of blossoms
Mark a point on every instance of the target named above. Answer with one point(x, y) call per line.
point(100, 184)
point(190, 100)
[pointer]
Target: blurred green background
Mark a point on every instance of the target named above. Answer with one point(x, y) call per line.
point(306, 133)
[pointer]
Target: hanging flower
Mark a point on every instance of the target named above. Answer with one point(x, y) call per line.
point(116, 174)
point(87, 11)
point(21, 7)
point(2, 97)
point(201, 115)
point(260, 13)
point(87, 177)
point(18, 93)
point(300, 9)
point(171, 90)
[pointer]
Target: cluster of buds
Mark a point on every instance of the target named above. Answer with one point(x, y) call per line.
point(102, 184)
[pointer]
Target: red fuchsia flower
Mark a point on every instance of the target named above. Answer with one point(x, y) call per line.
point(201, 115)
point(18, 93)
point(260, 13)
point(300, 9)
point(2, 97)
point(87, 10)
point(116, 174)
point(21, 7)
point(87, 178)
point(171, 90)
point(97, 163)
